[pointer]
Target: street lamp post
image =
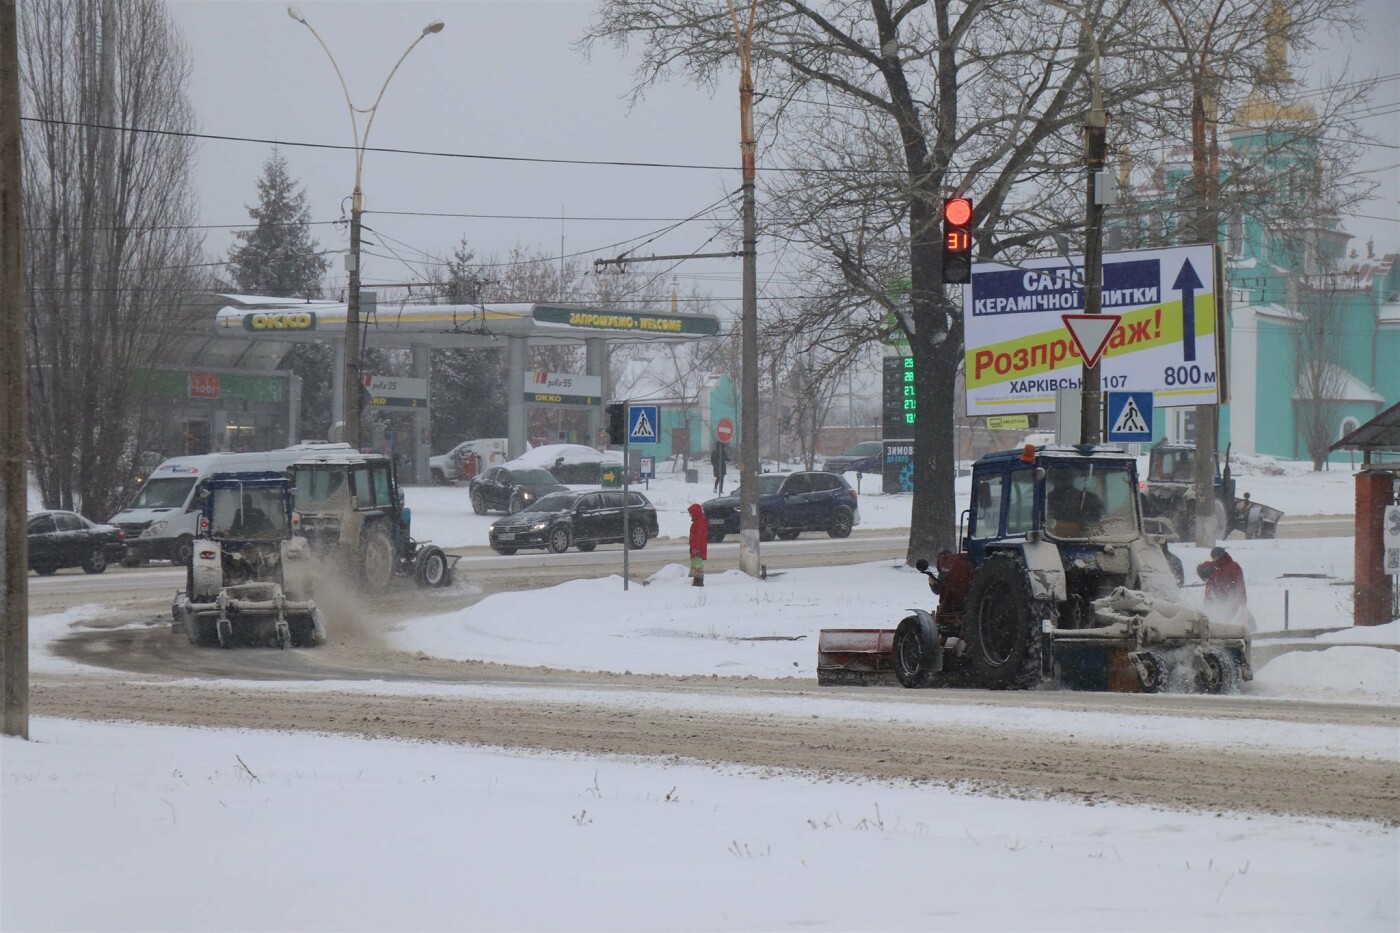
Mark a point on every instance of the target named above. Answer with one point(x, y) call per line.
point(350, 377)
point(1095, 151)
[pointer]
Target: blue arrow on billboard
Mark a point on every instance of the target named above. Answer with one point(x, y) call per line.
point(1187, 281)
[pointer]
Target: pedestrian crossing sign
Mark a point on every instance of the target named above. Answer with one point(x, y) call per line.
point(643, 424)
point(1129, 417)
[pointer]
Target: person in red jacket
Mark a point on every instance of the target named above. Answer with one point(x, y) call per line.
point(1224, 580)
point(699, 544)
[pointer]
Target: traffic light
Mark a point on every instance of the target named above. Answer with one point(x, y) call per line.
point(617, 423)
point(957, 241)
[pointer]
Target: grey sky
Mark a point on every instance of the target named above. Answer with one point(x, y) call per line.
point(503, 79)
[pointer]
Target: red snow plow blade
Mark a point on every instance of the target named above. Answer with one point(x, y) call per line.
point(863, 656)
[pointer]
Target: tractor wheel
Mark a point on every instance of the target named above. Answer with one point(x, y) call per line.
point(1151, 669)
point(913, 654)
point(1003, 632)
point(841, 523)
point(767, 527)
point(714, 537)
point(432, 567)
point(478, 502)
point(376, 559)
point(559, 539)
point(637, 537)
point(96, 561)
point(183, 551)
point(1215, 672)
point(788, 535)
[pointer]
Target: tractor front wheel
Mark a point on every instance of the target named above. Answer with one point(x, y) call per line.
point(1002, 627)
point(913, 654)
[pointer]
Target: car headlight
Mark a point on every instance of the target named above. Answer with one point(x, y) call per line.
point(539, 526)
point(154, 530)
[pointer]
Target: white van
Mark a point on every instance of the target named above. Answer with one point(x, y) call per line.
point(160, 520)
point(447, 468)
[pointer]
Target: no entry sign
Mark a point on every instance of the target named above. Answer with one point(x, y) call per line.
point(724, 431)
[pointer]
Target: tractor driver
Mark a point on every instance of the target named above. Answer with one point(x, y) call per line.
point(1071, 509)
point(252, 521)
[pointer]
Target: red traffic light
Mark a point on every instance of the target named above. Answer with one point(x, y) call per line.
point(957, 211)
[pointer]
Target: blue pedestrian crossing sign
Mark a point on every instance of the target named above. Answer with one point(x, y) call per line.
point(1129, 417)
point(643, 424)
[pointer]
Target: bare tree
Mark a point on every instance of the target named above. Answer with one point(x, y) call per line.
point(1319, 337)
point(110, 251)
point(883, 109)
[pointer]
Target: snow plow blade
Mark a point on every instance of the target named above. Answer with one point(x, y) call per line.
point(860, 656)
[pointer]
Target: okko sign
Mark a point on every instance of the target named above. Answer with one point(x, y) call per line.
point(1019, 352)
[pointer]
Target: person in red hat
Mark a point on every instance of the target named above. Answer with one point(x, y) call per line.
point(1224, 582)
point(699, 544)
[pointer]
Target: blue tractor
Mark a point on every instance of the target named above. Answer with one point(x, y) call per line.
point(249, 579)
point(1055, 582)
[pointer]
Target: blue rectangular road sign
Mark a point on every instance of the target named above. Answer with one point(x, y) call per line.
point(643, 424)
point(1129, 417)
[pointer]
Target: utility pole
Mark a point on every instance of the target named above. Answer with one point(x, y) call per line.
point(748, 414)
point(14, 441)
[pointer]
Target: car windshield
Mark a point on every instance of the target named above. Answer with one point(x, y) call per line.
point(867, 449)
point(769, 484)
point(554, 502)
point(248, 513)
point(537, 477)
point(1090, 500)
point(163, 494)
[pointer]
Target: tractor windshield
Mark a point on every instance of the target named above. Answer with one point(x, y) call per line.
point(1090, 499)
point(248, 513)
point(1173, 466)
point(323, 488)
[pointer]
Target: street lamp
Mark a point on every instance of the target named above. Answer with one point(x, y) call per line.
point(1095, 150)
point(350, 377)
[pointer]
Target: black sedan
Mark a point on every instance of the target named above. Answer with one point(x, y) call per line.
point(510, 489)
point(865, 457)
point(789, 504)
point(66, 539)
point(581, 519)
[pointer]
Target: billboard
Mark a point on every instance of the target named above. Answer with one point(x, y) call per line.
point(1018, 351)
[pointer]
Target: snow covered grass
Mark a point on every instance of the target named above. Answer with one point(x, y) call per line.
point(155, 828)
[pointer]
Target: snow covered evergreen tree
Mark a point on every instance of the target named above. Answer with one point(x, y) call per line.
point(278, 257)
point(468, 386)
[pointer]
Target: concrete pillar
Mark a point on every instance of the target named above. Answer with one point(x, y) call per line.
point(338, 386)
point(422, 417)
point(293, 408)
point(1372, 587)
point(595, 363)
point(515, 394)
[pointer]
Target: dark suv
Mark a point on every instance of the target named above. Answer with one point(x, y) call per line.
point(789, 504)
point(582, 519)
point(865, 457)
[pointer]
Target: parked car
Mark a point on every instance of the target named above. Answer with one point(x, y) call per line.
point(789, 504)
point(581, 519)
point(510, 489)
point(571, 463)
point(865, 457)
point(66, 539)
point(447, 468)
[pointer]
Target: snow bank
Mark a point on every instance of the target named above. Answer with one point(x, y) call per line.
point(1357, 675)
point(1388, 634)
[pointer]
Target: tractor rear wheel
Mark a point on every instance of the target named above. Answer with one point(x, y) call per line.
point(1002, 627)
point(913, 654)
point(376, 559)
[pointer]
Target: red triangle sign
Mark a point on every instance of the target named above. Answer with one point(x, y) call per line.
point(1091, 333)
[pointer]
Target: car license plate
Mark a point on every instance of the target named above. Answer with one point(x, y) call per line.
point(508, 536)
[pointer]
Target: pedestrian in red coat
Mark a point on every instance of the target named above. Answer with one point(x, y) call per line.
point(1224, 580)
point(699, 544)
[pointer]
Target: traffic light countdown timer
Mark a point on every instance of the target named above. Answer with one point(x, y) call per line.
point(899, 405)
point(957, 241)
